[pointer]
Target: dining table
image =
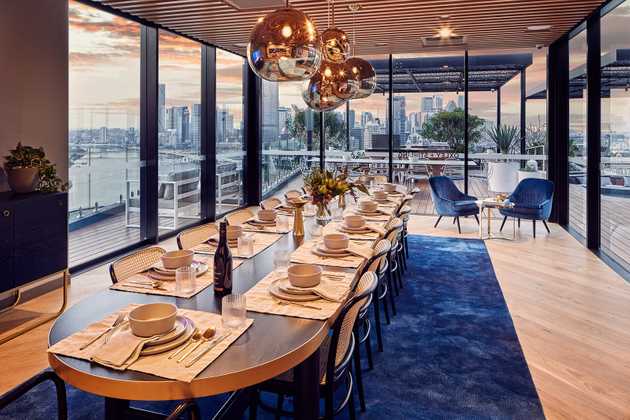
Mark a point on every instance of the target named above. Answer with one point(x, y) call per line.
point(273, 345)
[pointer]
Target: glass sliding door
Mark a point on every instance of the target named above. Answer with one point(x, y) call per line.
point(337, 151)
point(230, 144)
point(179, 132)
point(578, 142)
point(104, 137)
point(615, 135)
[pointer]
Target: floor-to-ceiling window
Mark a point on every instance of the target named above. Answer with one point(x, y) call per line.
point(337, 148)
point(615, 134)
point(104, 137)
point(578, 142)
point(289, 136)
point(230, 145)
point(179, 131)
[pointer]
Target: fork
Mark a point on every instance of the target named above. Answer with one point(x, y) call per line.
point(303, 305)
point(119, 319)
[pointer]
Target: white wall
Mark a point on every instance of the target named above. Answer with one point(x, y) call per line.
point(34, 78)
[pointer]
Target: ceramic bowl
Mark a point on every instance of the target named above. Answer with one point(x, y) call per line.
point(267, 215)
point(389, 187)
point(368, 205)
point(152, 319)
point(176, 259)
point(234, 232)
point(304, 275)
point(380, 195)
point(354, 221)
point(336, 241)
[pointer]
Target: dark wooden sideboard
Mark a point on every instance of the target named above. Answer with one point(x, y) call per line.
point(33, 237)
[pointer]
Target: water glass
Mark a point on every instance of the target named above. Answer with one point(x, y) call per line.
point(185, 279)
point(337, 214)
point(281, 261)
point(282, 223)
point(245, 244)
point(233, 310)
point(316, 231)
point(309, 210)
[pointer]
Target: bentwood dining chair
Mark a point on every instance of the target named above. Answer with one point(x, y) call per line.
point(394, 229)
point(22, 389)
point(337, 352)
point(404, 213)
point(238, 217)
point(270, 203)
point(135, 263)
point(194, 236)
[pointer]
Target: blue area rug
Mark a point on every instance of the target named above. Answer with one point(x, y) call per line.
point(450, 353)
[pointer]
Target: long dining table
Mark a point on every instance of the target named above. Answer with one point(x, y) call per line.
point(271, 346)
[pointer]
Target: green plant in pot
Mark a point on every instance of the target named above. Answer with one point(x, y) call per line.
point(503, 173)
point(505, 137)
point(29, 170)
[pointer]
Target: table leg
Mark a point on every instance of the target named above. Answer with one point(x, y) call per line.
point(480, 222)
point(489, 216)
point(116, 409)
point(307, 392)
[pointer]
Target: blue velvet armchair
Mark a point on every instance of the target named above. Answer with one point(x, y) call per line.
point(450, 201)
point(533, 199)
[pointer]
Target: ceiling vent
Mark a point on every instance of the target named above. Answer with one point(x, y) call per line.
point(538, 28)
point(438, 41)
point(255, 4)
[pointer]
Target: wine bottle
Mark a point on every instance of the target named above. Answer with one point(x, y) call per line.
point(223, 264)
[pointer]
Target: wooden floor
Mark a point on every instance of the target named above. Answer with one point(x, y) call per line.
point(571, 313)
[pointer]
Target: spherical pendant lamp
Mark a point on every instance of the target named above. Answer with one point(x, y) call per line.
point(284, 46)
point(364, 76)
point(335, 45)
point(321, 91)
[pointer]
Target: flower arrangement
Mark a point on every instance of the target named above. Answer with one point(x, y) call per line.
point(323, 185)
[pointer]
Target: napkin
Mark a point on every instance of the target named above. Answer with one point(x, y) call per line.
point(122, 349)
point(376, 228)
point(360, 251)
point(327, 289)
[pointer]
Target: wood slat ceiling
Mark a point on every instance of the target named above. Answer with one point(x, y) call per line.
point(382, 26)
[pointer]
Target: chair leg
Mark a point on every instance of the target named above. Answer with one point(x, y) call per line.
point(519, 222)
point(368, 342)
point(351, 409)
point(503, 224)
point(385, 304)
point(438, 221)
point(459, 228)
point(377, 320)
point(476, 218)
point(454, 219)
point(534, 227)
point(390, 280)
point(359, 376)
point(546, 227)
point(253, 406)
point(279, 405)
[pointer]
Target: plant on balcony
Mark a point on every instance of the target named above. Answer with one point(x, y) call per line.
point(323, 186)
point(505, 137)
point(448, 127)
point(28, 170)
point(503, 174)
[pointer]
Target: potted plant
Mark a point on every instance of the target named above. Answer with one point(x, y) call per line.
point(503, 174)
point(530, 170)
point(323, 186)
point(29, 170)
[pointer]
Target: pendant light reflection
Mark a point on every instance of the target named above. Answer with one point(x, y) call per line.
point(284, 46)
point(329, 87)
point(363, 76)
point(335, 45)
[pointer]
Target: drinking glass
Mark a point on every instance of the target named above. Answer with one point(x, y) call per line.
point(282, 223)
point(233, 310)
point(309, 210)
point(337, 214)
point(316, 231)
point(185, 279)
point(281, 260)
point(245, 244)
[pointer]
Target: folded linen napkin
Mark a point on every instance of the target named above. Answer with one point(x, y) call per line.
point(376, 228)
point(360, 251)
point(122, 349)
point(327, 289)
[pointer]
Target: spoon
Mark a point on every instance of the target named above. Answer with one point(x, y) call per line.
point(202, 338)
point(185, 346)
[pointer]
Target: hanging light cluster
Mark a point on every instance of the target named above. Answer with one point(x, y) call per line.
point(285, 46)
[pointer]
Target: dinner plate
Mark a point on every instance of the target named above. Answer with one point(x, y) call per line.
point(363, 229)
point(214, 241)
point(181, 323)
point(202, 268)
point(150, 350)
point(159, 267)
point(285, 286)
point(370, 213)
point(274, 290)
point(317, 251)
point(322, 247)
point(262, 222)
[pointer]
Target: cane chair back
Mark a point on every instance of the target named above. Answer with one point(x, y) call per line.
point(196, 235)
point(270, 203)
point(135, 263)
point(239, 217)
point(381, 249)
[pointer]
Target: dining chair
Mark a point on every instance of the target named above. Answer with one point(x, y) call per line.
point(337, 352)
point(394, 229)
point(194, 236)
point(270, 203)
point(533, 199)
point(291, 194)
point(238, 217)
point(135, 263)
point(25, 387)
point(404, 214)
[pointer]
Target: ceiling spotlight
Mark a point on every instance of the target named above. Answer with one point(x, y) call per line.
point(538, 28)
point(445, 32)
point(380, 44)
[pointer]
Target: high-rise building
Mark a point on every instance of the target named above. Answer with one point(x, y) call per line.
point(366, 117)
point(161, 107)
point(438, 103)
point(426, 104)
point(460, 101)
point(225, 125)
point(195, 126)
point(351, 118)
point(400, 118)
point(451, 106)
point(270, 117)
point(180, 122)
point(283, 118)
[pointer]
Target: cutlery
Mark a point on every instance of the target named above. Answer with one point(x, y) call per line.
point(205, 336)
point(117, 322)
point(144, 286)
point(186, 344)
point(209, 347)
point(303, 305)
point(155, 283)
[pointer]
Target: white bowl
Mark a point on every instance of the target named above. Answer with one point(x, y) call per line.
point(175, 259)
point(234, 232)
point(389, 187)
point(267, 215)
point(354, 221)
point(368, 206)
point(152, 319)
point(380, 195)
point(304, 275)
point(336, 241)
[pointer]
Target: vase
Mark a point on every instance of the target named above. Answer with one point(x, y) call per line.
point(322, 217)
point(23, 180)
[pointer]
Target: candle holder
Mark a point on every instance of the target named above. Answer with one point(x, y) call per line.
point(298, 221)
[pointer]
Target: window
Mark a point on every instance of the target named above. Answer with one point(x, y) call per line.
point(230, 145)
point(578, 141)
point(104, 137)
point(179, 132)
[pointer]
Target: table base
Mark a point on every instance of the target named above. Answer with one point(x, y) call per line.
point(489, 234)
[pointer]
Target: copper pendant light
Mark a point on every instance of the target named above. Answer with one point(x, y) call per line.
point(284, 46)
point(361, 70)
point(321, 92)
point(335, 45)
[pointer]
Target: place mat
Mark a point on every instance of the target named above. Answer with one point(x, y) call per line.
point(168, 287)
point(259, 299)
point(304, 255)
point(157, 364)
point(262, 241)
point(334, 227)
point(253, 227)
point(375, 218)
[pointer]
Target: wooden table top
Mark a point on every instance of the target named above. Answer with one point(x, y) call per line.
point(271, 346)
